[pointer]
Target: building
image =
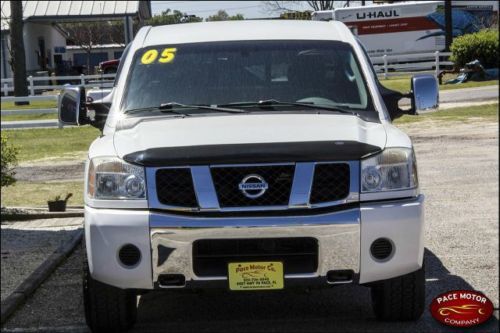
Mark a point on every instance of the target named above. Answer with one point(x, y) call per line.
point(45, 42)
point(100, 53)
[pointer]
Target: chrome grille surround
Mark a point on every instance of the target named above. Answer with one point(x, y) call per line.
point(208, 201)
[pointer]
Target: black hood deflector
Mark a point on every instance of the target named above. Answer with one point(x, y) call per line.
point(278, 152)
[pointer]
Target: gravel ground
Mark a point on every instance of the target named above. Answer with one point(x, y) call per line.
point(62, 172)
point(458, 165)
point(25, 245)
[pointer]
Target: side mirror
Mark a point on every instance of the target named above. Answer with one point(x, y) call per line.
point(71, 106)
point(425, 93)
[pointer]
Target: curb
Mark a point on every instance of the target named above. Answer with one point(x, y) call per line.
point(26, 217)
point(35, 279)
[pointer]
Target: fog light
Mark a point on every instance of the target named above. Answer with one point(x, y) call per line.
point(381, 249)
point(129, 255)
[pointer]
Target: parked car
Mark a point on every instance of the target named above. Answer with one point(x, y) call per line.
point(109, 66)
point(250, 156)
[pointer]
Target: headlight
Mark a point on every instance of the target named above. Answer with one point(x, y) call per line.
point(110, 178)
point(393, 169)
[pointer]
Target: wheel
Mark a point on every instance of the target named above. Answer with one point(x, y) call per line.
point(107, 308)
point(400, 298)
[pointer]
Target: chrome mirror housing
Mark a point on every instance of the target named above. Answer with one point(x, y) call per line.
point(71, 106)
point(425, 91)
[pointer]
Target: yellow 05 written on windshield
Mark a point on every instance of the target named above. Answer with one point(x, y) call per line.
point(166, 56)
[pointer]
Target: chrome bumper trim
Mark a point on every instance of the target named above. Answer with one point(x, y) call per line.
point(338, 236)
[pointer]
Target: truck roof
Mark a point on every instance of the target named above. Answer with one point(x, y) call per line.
point(245, 30)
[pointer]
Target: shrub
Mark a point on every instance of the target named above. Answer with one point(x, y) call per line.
point(482, 45)
point(9, 161)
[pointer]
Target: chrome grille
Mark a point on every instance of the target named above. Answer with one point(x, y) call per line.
point(330, 183)
point(278, 177)
point(174, 187)
point(288, 186)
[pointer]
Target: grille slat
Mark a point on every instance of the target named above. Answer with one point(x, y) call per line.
point(227, 179)
point(330, 183)
point(174, 187)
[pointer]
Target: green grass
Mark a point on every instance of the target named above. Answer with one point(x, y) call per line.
point(36, 194)
point(32, 105)
point(402, 84)
point(37, 116)
point(488, 112)
point(52, 143)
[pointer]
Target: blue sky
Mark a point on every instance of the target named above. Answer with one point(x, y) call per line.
point(250, 9)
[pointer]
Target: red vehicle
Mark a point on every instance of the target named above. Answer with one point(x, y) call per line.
point(109, 66)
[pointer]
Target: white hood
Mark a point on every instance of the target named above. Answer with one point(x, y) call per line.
point(247, 128)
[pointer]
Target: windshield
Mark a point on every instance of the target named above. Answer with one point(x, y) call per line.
point(221, 73)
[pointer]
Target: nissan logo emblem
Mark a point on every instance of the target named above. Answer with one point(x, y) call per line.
point(253, 186)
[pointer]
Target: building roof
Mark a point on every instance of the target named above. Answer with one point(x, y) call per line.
point(59, 11)
point(97, 46)
point(245, 30)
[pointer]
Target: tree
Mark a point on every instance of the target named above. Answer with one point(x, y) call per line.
point(89, 34)
point(172, 17)
point(281, 6)
point(222, 15)
point(17, 53)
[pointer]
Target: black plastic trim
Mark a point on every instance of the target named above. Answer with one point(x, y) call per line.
point(273, 152)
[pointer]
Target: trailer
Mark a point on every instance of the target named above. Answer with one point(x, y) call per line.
point(411, 27)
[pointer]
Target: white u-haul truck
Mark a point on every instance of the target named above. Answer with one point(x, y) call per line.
point(411, 27)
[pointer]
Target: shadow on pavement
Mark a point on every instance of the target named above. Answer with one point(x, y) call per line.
point(342, 308)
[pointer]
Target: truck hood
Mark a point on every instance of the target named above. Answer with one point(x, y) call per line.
point(247, 138)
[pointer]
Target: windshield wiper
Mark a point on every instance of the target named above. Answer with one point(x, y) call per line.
point(156, 108)
point(271, 102)
point(172, 105)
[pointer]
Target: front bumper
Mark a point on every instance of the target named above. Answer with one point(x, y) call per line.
point(344, 240)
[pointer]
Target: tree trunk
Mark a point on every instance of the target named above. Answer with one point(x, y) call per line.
point(18, 57)
point(89, 72)
point(448, 25)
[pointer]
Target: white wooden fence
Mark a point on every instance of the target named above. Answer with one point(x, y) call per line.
point(89, 81)
point(99, 81)
point(30, 123)
point(403, 64)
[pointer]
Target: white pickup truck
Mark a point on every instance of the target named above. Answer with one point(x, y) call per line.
point(249, 156)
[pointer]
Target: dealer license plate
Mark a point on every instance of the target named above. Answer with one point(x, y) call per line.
point(255, 275)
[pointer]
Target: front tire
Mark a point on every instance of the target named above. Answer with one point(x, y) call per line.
point(107, 308)
point(401, 298)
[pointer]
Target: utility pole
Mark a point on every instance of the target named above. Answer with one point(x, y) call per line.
point(17, 54)
point(362, 2)
point(448, 25)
